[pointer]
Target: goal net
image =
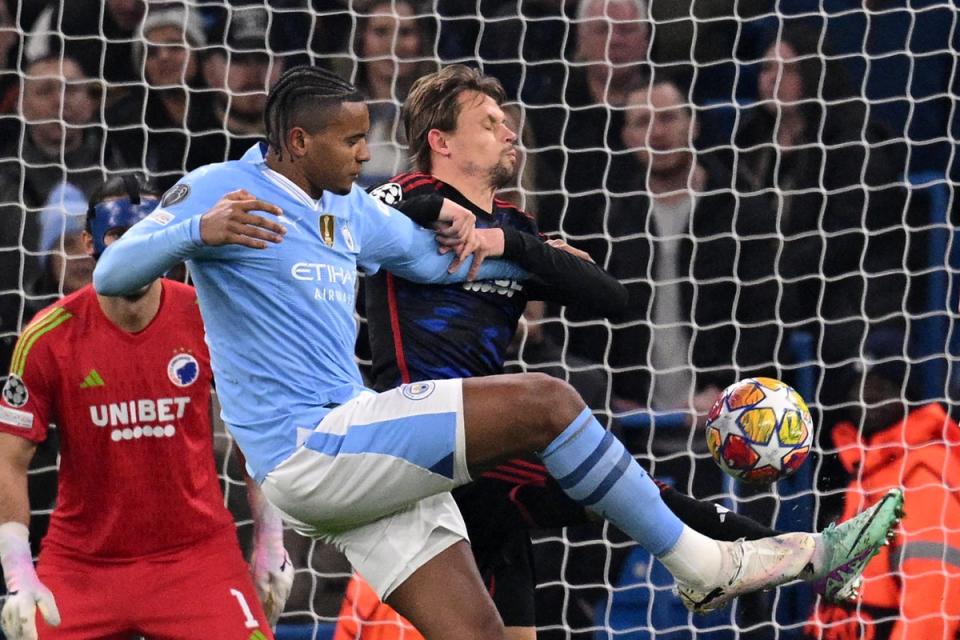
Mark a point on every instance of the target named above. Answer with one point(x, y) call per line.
point(773, 182)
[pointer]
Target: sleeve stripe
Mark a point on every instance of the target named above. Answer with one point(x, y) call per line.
point(33, 333)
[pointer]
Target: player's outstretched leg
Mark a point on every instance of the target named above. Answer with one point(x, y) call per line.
point(505, 416)
point(843, 552)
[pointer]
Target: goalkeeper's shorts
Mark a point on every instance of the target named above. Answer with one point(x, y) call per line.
point(200, 591)
point(374, 477)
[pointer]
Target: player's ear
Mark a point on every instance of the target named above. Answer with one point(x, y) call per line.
point(86, 241)
point(297, 142)
point(438, 142)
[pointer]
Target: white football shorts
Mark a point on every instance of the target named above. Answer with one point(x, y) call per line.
point(374, 477)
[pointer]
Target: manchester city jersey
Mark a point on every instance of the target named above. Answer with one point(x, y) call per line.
point(279, 321)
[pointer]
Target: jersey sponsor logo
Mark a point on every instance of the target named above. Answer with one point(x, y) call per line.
point(16, 418)
point(143, 418)
point(175, 195)
point(336, 283)
point(502, 287)
point(160, 217)
point(418, 390)
point(92, 379)
point(183, 370)
point(326, 229)
point(390, 193)
point(15, 391)
point(322, 272)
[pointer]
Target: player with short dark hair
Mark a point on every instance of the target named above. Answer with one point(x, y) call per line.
point(372, 472)
point(140, 541)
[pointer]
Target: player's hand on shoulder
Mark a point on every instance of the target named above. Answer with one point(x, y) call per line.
point(19, 616)
point(487, 243)
point(557, 243)
point(232, 221)
point(273, 579)
point(455, 225)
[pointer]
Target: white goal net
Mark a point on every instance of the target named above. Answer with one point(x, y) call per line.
point(772, 180)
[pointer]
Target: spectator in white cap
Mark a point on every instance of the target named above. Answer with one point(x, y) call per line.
point(242, 70)
point(150, 129)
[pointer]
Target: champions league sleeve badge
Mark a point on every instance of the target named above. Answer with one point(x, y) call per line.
point(15, 391)
point(390, 193)
point(175, 195)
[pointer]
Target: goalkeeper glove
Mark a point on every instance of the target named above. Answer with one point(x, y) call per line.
point(26, 592)
point(271, 567)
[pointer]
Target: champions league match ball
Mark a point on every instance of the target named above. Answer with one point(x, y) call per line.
point(759, 430)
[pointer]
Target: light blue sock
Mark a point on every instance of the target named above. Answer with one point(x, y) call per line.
point(594, 469)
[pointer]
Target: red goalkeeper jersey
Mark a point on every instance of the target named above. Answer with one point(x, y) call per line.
point(137, 473)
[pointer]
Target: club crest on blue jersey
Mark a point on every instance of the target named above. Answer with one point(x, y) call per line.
point(15, 391)
point(418, 390)
point(183, 370)
point(326, 229)
point(348, 238)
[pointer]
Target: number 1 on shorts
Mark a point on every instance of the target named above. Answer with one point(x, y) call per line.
point(251, 622)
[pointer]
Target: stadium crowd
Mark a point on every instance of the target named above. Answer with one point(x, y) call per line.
point(743, 168)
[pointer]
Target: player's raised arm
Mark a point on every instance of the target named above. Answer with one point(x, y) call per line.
point(193, 215)
point(395, 242)
point(561, 273)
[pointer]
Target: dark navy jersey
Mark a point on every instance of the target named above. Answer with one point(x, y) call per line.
point(426, 332)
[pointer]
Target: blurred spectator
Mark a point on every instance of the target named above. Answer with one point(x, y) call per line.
point(912, 589)
point(241, 69)
point(580, 125)
point(98, 34)
point(56, 145)
point(159, 130)
point(393, 49)
point(527, 44)
point(704, 40)
point(831, 178)
point(687, 247)
point(68, 268)
point(898, 56)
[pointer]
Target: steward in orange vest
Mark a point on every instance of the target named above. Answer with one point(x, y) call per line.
point(912, 588)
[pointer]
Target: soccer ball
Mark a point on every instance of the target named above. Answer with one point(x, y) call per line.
point(759, 430)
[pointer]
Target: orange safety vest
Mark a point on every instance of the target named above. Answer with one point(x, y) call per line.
point(364, 617)
point(916, 577)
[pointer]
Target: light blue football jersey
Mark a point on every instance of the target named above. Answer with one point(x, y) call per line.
point(279, 321)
